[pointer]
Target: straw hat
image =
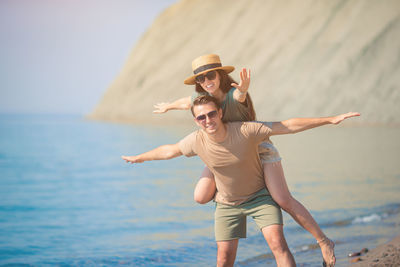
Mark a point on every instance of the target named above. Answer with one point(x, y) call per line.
point(205, 64)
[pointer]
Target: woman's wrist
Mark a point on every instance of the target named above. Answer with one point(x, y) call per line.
point(167, 107)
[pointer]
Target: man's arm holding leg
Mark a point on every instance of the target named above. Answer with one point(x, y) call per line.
point(296, 125)
point(160, 153)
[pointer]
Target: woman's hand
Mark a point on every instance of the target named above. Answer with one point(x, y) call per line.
point(180, 104)
point(161, 107)
point(244, 84)
point(339, 118)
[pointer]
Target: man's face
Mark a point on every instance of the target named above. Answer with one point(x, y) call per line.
point(208, 117)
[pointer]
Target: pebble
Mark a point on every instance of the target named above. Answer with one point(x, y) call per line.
point(356, 260)
point(355, 254)
point(364, 250)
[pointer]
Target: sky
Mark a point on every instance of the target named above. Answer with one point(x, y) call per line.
point(60, 56)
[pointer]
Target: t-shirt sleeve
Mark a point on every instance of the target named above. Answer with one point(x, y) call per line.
point(230, 94)
point(187, 145)
point(259, 131)
point(232, 99)
point(267, 123)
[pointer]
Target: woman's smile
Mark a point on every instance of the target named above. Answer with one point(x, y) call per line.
point(209, 87)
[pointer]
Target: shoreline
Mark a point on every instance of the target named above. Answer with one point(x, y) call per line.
point(387, 254)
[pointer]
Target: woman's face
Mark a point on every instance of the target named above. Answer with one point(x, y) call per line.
point(211, 86)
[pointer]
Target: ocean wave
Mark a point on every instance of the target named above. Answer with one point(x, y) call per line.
point(369, 218)
point(376, 215)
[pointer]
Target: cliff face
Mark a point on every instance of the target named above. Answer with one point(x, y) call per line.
point(307, 58)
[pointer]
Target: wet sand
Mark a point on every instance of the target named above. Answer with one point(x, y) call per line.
point(384, 255)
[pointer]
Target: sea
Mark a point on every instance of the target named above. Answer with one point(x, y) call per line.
point(68, 199)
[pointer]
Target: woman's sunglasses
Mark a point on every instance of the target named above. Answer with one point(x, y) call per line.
point(211, 75)
point(210, 115)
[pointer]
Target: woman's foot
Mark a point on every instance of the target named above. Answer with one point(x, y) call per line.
point(328, 251)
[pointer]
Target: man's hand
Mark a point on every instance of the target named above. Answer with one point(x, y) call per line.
point(160, 153)
point(296, 125)
point(132, 159)
point(339, 118)
point(160, 107)
point(244, 84)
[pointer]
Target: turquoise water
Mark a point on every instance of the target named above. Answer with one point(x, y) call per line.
point(66, 197)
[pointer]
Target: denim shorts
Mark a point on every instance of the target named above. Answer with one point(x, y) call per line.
point(269, 153)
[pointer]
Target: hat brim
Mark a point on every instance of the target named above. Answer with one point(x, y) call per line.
point(192, 79)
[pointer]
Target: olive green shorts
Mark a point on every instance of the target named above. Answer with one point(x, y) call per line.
point(230, 221)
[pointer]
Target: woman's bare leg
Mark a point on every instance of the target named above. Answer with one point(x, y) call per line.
point(205, 188)
point(276, 184)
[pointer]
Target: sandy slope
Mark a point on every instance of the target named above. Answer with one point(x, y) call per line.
point(385, 255)
point(308, 58)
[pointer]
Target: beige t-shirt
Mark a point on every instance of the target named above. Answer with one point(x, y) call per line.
point(234, 162)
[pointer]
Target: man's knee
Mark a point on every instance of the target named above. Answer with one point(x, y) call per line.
point(226, 253)
point(275, 238)
point(277, 245)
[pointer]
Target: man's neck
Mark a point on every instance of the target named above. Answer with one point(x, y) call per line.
point(220, 135)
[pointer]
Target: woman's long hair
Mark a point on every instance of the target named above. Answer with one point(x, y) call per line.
point(225, 86)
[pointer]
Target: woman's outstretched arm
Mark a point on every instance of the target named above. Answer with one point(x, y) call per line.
point(182, 104)
point(296, 125)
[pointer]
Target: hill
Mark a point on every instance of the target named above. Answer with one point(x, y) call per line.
point(307, 58)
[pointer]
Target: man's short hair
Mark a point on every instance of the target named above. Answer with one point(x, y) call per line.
point(204, 99)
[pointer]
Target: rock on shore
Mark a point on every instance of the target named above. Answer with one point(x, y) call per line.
point(307, 58)
point(384, 255)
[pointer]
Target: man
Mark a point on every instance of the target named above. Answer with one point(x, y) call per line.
point(230, 151)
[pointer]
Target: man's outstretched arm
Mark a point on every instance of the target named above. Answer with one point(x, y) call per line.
point(159, 153)
point(296, 125)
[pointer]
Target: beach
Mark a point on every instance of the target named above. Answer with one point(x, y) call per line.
point(68, 199)
point(387, 254)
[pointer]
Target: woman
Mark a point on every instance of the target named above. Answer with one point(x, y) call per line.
point(210, 77)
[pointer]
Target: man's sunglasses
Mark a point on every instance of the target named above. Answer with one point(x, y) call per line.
point(211, 75)
point(210, 115)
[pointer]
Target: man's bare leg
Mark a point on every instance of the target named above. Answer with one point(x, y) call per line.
point(273, 234)
point(226, 254)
